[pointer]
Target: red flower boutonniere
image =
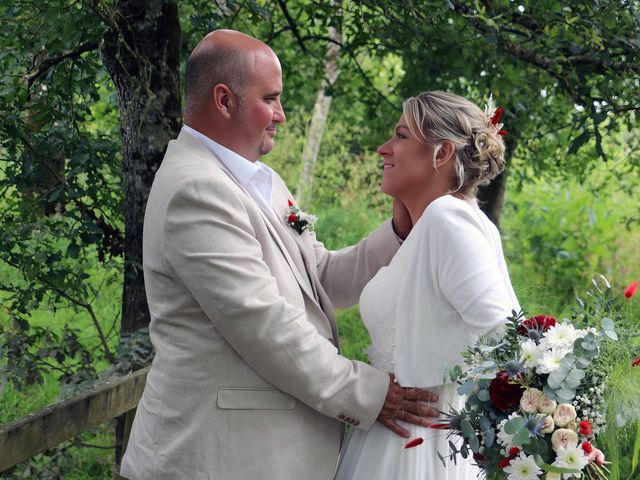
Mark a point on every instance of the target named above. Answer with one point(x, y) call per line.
point(299, 220)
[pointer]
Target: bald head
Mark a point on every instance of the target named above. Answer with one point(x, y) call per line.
point(222, 56)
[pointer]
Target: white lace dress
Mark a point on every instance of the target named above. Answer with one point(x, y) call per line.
point(416, 331)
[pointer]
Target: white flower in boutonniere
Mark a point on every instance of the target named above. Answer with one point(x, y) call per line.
point(299, 220)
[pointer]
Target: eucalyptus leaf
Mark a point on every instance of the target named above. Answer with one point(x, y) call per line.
point(467, 429)
point(483, 395)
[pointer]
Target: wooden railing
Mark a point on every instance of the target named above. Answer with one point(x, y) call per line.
point(39, 431)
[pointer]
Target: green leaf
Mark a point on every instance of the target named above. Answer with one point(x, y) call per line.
point(522, 437)
point(551, 468)
point(513, 425)
point(483, 395)
point(636, 448)
point(467, 429)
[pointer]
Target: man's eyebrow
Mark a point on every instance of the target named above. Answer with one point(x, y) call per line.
point(274, 93)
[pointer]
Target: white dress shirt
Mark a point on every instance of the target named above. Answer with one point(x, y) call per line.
point(255, 177)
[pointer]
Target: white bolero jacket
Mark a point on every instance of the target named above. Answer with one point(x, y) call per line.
point(455, 287)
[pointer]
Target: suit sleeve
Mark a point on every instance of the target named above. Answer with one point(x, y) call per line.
point(344, 273)
point(211, 245)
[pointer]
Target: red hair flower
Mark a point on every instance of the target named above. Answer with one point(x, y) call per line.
point(631, 289)
point(494, 114)
point(414, 443)
point(584, 427)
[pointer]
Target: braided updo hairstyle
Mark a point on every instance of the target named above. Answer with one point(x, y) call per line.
point(433, 117)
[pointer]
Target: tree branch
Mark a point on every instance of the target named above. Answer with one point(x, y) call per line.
point(292, 24)
point(47, 63)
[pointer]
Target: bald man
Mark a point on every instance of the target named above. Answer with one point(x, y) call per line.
point(247, 382)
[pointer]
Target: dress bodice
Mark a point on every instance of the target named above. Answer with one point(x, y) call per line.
point(378, 309)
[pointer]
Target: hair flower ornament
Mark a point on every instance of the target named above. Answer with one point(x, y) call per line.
point(299, 220)
point(494, 114)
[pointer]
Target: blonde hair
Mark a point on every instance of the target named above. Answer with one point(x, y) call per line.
point(433, 117)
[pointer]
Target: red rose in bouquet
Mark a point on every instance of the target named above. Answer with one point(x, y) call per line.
point(539, 322)
point(504, 394)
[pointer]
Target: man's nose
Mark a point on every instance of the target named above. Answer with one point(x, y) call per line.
point(278, 114)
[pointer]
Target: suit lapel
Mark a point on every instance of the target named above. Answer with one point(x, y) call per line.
point(293, 249)
point(280, 236)
point(280, 197)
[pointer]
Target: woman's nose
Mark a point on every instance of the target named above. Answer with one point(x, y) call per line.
point(383, 149)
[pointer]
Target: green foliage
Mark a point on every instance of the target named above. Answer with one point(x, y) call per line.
point(557, 233)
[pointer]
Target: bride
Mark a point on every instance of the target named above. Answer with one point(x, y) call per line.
point(446, 286)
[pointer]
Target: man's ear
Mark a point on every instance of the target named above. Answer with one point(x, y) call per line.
point(224, 100)
point(446, 153)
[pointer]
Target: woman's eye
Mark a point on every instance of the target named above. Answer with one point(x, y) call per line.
point(400, 136)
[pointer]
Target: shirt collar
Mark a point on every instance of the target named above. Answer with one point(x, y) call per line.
point(241, 168)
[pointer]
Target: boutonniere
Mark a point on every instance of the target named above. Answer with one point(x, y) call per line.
point(299, 220)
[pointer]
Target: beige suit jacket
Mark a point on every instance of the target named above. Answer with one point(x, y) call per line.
point(247, 382)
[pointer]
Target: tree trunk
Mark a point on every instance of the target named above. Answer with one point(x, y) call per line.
point(319, 116)
point(492, 198)
point(141, 51)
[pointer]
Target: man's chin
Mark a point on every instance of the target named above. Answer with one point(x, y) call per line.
point(266, 147)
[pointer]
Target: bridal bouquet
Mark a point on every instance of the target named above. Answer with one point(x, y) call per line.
point(540, 397)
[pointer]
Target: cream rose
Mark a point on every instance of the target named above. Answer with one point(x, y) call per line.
point(563, 437)
point(530, 400)
point(564, 414)
point(547, 405)
point(547, 424)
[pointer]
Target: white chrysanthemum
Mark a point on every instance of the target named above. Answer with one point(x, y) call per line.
point(505, 439)
point(530, 353)
point(530, 400)
point(550, 361)
point(573, 457)
point(562, 335)
point(523, 467)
